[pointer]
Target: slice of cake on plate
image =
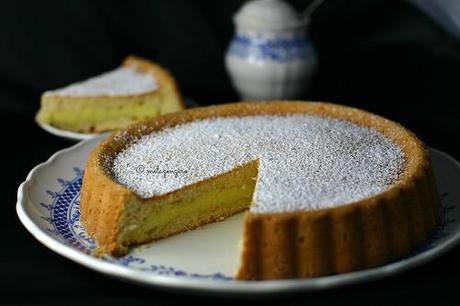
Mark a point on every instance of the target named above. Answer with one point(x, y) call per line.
point(139, 89)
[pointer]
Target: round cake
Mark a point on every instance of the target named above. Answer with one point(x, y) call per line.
point(327, 188)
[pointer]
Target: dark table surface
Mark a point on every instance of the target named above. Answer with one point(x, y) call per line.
point(382, 56)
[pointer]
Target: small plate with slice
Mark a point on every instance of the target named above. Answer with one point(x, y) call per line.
point(202, 260)
point(76, 136)
point(137, 88)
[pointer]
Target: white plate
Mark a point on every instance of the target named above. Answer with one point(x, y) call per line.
point(75, 136)
point(202, 260)
point(69, 135)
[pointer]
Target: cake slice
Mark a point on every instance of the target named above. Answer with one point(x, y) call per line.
point(139, 89)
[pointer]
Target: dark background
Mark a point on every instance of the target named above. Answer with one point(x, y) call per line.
point(382, 56)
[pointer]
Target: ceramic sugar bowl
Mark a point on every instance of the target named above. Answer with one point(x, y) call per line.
point(270, 55)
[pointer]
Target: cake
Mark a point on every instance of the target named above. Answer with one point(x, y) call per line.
point(137, 90)
point(326, 188)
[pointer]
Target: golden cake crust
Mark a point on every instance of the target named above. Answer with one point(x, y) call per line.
point(354, 236)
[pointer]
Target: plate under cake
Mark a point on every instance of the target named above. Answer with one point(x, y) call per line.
point(137, 90)
point(329, 188)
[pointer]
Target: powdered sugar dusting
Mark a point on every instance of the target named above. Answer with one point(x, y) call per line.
point(306, 162)
point(122, 81)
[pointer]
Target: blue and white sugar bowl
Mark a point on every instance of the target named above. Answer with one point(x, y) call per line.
point(270, 56)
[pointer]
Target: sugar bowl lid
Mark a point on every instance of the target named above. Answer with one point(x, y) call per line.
point(268, 14)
